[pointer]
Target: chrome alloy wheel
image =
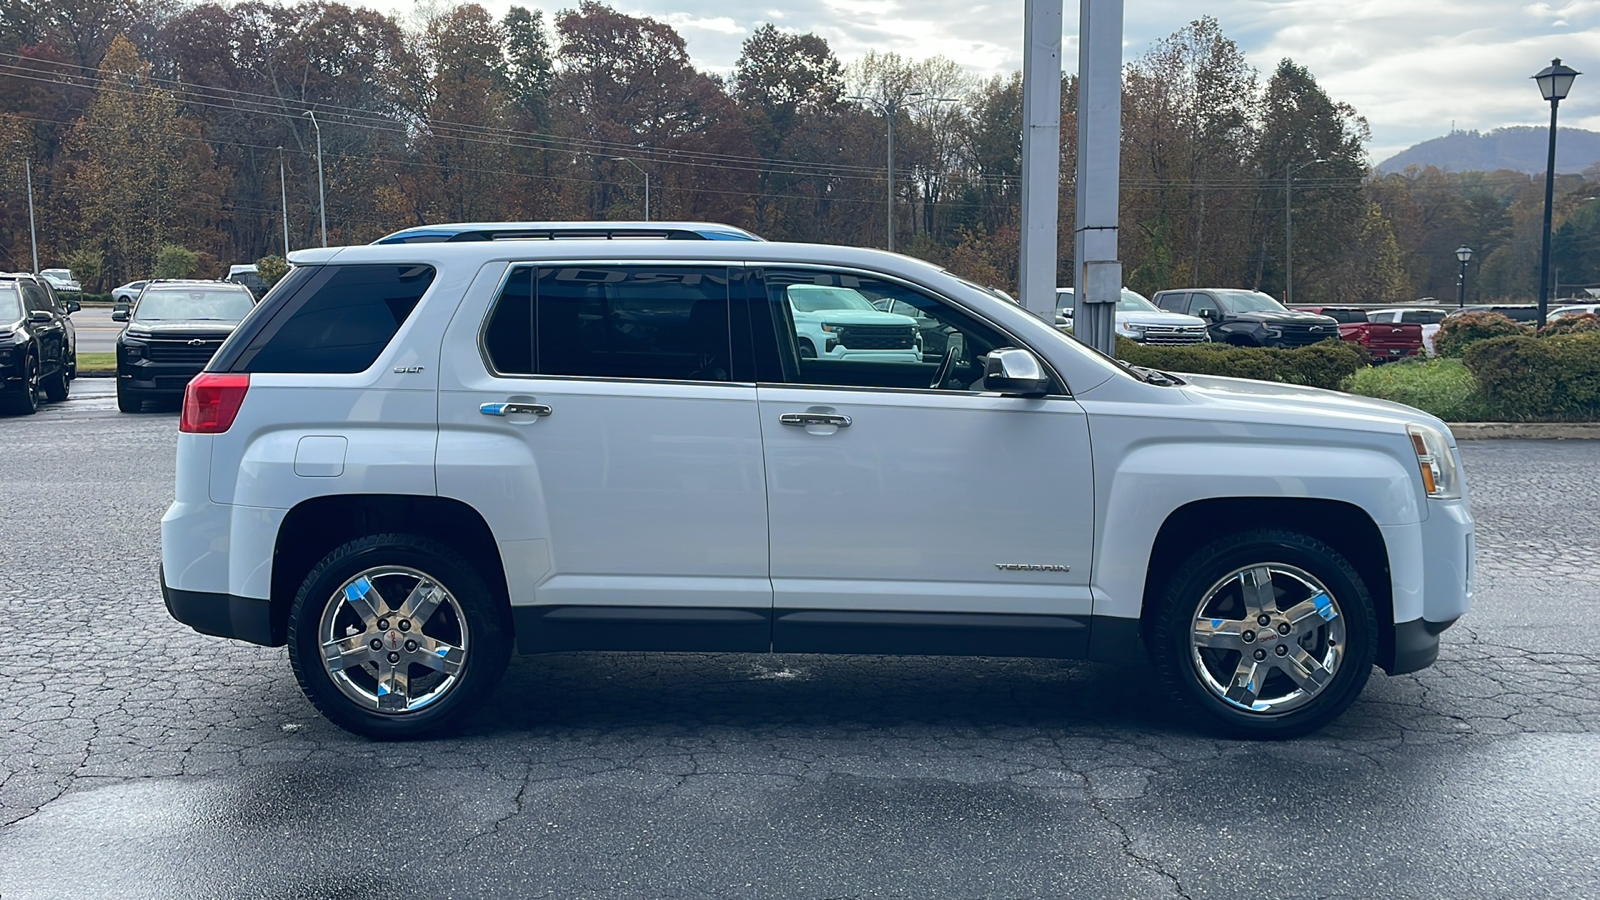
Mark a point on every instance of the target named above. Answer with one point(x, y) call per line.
point(1267, 638)
point(390, 654)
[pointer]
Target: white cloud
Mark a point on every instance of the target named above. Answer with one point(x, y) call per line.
point(1411, 67)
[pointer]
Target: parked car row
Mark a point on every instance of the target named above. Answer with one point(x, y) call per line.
point(38, 344)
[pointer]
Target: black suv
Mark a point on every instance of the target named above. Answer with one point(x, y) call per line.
point(173, 329)
point(1249, 318)
point(37, 344)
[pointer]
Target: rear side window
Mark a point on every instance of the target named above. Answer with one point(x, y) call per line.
point(651, 322)
point(337, 321)
point(1172, 301)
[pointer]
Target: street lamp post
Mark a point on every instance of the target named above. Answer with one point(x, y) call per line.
point(890, 109)
point(33, 236)
point(322, 197)
point(1288, 226)
point(646, 183)
point(1463, 253)
point(283, 195)
point(1555, 80)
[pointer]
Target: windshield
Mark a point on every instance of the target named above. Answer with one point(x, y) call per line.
point(810, 298)
point(1129, 301)
point(10, 305)
point(63, 274)
point(167, 304)
point(1247, 301)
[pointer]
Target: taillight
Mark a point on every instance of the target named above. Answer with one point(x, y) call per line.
point(211, 401)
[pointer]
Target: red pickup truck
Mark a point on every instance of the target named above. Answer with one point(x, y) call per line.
point(1384, 340)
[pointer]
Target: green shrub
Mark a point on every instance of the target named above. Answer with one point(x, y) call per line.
point(173, 261)
point(1583, 323)
point(1322, 365)
point(1526, 378)
point(1442, 387)
point(1457, 333)
point(271, 269)
point(85, 266)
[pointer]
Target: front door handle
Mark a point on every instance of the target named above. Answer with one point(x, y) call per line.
point(810, 418)
point(514, 409)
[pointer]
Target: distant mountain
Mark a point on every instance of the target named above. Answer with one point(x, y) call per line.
point(1522, 148)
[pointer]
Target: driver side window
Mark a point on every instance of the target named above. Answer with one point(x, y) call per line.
point(1199, 302)
point(837, 328)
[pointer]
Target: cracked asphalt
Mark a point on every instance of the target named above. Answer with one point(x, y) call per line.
point(139, 759)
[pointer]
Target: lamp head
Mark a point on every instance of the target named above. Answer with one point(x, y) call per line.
point(1463, 253)
point(1555, 80)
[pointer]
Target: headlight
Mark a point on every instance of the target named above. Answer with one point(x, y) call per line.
point(1131, 329)
point(133, 350)
point(1441, 478)
point(1272, 330)
point(832, 328)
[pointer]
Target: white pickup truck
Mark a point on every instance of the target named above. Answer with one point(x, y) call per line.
point(410, 459)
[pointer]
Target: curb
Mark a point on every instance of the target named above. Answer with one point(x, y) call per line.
point(1528, 431)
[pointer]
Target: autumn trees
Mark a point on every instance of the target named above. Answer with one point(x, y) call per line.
point(152, 123)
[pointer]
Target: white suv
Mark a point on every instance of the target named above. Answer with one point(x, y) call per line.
point(409, 459)
point(836, 322)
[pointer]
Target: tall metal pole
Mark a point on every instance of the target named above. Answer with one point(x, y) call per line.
point(1099, 177)
point(1037, 261)
point(646, 175)
point(322, 197)
point(889, 204)
point(1288, 235)
point(283, 195)
point(1549, 196)
point(33, 235)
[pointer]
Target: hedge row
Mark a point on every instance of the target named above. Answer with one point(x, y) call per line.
point(1322, 365)
point(1524, 378)
point(1457, 333)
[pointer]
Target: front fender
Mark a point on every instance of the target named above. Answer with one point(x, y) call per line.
point(1154, 480)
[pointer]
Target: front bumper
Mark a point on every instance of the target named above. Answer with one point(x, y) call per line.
point(148, 377)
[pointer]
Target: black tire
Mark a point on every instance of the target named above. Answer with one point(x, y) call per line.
point(128, 400)
point(24, 399)
point(1209, 601)
point(333, 603)
point(808, 350)
point(56, 386)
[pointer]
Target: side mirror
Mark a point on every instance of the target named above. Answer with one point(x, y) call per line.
point(40, 317)
point(1210, 315)
point(73, 306)
point(119, 314)
point(1015, 372)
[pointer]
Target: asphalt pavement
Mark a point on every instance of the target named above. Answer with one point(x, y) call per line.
point(96, 332)
point(140, 759)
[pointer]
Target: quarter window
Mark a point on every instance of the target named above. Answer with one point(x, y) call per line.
point(339, 319)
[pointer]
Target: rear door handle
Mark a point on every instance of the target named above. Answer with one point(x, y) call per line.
point(514, 409)
point(809, 418)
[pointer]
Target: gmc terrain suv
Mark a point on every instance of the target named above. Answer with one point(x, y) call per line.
point(410, 459)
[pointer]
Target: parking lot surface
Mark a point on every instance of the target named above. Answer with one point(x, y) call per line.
point(140, 759)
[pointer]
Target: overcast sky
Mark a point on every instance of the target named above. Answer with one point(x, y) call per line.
point(1411, 67)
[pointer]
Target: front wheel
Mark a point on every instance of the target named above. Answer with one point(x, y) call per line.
point(24, 399)
point(395, 636)
point(127, 400)
point(56, 386)
point(1268, 634)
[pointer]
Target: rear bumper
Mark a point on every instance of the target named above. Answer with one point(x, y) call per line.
point(222, 615)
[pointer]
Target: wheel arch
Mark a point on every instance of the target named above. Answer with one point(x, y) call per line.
point(1344, 526)
point(314, 527)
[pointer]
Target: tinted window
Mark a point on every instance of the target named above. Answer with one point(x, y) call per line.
point(339, 319)
point(508, 335)
point(1343, 314)
point(1424, 316)
point(660, 322)
point(1172, 301)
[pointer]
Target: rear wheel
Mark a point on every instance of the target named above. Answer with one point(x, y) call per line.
point(395, 636)
point(56, 387)
point(1268, 634)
